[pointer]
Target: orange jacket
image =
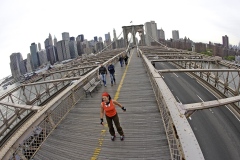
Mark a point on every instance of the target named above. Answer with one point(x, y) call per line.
point(109, 109)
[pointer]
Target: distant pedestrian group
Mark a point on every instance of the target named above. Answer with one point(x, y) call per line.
point(103, 73)
point(123, 59)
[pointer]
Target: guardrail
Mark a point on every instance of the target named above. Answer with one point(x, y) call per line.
point(181, 139)
point(26, 141)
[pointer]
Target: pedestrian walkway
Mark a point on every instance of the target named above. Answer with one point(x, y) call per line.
point(80, 135)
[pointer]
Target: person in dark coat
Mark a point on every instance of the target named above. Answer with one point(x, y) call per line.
point(126, 59)
point(121, 60)
point(111, 71)
point(103, 72)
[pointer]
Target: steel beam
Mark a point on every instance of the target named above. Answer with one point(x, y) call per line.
point(198, 70)
point(209, 104)
point(52, 81)
point(190, 60)
point(28, 107)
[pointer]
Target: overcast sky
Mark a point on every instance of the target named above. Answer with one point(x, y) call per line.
point(23, 22)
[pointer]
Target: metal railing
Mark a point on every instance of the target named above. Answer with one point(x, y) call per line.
point(29, 137)
point(181, 139)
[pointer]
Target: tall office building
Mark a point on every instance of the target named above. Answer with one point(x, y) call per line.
point(23, 66)
point(73, 48)
point(107, 37)
point(65, 36)
point(52, 55)
point(79, 48)
point(15, 59)
point(39, 47)
point(95, 39)
point(63, 50)
point(175, 35)
point(50, 40)
point(81, 36)
point(55, 41)
point(161, 34)
point(34, 56)
point(151, 30)
point(42, 54)
point(72, 38)
point(46, 43)
point(100, 39)
point(29, 63)
point(114, 35)
point(99, 46)
point(225, 41)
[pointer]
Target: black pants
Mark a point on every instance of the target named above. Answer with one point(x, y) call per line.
point(114, 119)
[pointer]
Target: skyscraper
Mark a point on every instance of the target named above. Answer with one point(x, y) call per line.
point(15, 59)
point(79, 47)
point(29, 63)
point(42, 56)
point(50, 41)
point(107, 37)
point(46, 43)
point(95, 39)
point(34, 56)
point(55, 41)
point(114, 35)
point(63, 50)
point(81, 36)
point(73, 48)
point(72, 38)
point(151, 30)
point(65, 36)
point(175, 35)
point(52, 55)
point(100, 39)
point(23, 66)
point(161, 34)
point(225, 41)
point(39, 46)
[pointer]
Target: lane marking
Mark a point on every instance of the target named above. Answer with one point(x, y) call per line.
point(200, 98)
point(97, 150)
point(233, 113)
point(217, 98)
point(203, 101)
point(121, 82)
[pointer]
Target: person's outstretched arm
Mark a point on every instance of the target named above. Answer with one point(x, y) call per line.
point(118, 104)
point(101, 112)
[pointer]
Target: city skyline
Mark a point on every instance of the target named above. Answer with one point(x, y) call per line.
point(201, 21)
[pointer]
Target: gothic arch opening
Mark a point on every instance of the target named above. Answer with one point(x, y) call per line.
point(136, 31)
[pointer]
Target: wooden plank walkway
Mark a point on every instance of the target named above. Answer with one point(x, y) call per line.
point(80, 135)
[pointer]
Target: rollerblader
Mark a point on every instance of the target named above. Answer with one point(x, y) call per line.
point(108, 106)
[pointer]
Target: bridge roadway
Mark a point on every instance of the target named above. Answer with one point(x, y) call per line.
point(80, 135)
point(217, 130)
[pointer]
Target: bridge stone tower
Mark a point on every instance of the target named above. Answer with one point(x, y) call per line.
point(133, 29)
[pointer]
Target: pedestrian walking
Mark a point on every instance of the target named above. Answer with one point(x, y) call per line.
point(111, 71)
point(126, 59)
point(103, 73)
point(121, 60)
point(108, 106)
